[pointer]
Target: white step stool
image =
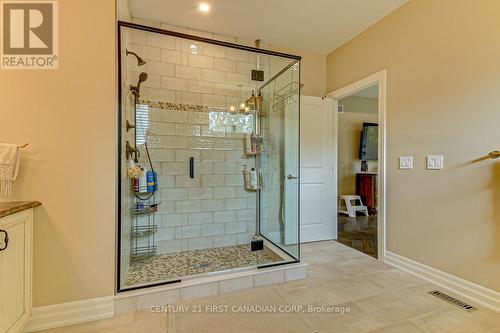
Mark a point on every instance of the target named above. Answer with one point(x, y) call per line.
point(352, 205)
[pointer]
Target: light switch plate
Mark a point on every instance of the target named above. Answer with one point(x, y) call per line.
point(435, 162)
point(406, 162)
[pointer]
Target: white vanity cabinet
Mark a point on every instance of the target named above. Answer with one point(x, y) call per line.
point(16, 266)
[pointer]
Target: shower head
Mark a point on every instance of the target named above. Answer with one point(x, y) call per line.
point(140, 61)
point(136, 89)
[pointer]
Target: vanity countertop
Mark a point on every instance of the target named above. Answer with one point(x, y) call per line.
point(10, 208)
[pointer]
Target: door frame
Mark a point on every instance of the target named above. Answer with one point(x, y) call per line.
point(379, 78)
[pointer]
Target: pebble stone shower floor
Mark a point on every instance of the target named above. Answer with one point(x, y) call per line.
point(177, 265)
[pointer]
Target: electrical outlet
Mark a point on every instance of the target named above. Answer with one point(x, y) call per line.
point(435, 162)
point(406, 162)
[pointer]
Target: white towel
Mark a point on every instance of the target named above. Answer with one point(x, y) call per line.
point(9, 165)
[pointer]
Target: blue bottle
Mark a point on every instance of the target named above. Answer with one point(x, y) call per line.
point(151, 179)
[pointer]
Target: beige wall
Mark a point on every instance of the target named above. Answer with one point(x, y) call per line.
point(443, 72)
point(350, 127)
point(68, 117)
point(312, 70)
point(359, 104)
point(123, 12)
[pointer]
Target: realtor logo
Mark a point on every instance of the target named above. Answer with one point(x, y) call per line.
point(29, 33)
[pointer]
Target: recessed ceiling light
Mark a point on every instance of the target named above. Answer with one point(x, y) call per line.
point(204, 7)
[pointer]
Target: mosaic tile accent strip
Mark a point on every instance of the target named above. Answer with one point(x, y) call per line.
point(177, 265)
point(192, 107)
point(175, 106)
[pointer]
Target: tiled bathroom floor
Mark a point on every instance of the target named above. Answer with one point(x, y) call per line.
point(381, 299)
point(176, 265)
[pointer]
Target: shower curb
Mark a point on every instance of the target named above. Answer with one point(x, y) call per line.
point(211, 285)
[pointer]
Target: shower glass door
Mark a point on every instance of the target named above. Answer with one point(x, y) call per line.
point(279, 164)
point(189, 108)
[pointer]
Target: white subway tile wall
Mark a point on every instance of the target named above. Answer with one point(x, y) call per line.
point(213, 209)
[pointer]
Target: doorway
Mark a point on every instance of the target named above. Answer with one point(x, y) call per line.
point(359, 141)
point(358, 170)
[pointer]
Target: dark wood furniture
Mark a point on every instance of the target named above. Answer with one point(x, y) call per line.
point(366, 188)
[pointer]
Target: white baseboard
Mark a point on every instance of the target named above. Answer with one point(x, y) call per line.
point(485, 297)
point(71, 313)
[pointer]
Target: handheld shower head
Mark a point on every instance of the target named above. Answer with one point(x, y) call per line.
point(140, 61)
point(136, 89)
point(142, 77)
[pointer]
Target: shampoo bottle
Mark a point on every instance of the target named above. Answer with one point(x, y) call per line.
point(131, 168)
point(151, 181)
point(254, 143)
point(253, 179)
point(143, 183)
point(135, 183)
point(251, 101)
point(248, 144)
point(246, 176)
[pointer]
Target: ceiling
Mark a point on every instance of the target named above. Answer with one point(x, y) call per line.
point(314, 25)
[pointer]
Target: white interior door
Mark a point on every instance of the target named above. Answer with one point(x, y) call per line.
point(317, 190)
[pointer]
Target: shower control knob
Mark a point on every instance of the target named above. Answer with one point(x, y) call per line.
point(291, 177)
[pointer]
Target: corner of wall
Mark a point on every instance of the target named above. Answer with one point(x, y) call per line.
point(123, 11)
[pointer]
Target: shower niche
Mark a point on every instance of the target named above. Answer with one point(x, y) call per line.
point(208, 158)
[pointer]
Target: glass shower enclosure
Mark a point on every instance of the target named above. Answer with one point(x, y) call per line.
point(208, 157)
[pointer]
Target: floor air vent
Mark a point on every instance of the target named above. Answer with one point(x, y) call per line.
point(452, 300)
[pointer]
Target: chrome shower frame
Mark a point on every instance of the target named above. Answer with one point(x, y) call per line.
point(121, 25)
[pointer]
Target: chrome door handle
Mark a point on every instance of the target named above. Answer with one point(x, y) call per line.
point(6, 240)
point(191, 167)
point(291, 177)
